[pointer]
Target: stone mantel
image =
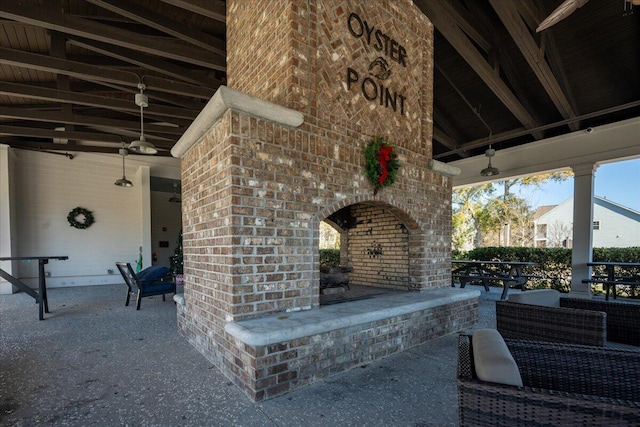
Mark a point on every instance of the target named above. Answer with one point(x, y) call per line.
point(224, 99)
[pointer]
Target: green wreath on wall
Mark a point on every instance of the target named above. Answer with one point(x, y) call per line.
point(85, 215)
point(382, 163)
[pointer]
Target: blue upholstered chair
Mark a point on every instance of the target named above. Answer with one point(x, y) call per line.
point(146, 283)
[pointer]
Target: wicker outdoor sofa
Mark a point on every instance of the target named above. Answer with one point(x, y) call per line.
point(562, 385)
point(543, 315)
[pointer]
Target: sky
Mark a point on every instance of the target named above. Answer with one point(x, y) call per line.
point(617, 182)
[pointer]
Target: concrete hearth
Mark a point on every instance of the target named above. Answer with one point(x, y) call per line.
point(278, 328)
point(282, 352)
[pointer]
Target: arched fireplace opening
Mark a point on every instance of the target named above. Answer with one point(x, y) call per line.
point(374, 254)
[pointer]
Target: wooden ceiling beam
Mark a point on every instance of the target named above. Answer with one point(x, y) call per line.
point(46, 146)
point(442, 120)
point(483, 142)
point(82, 120)
point(447, 26)
point(511, 75)
point(151, 19)
point(444, 139)
point(184, 89)
point(515, 133)
point(40, 129)
point(52, 19)
point(82, 71)
point(463, 20)
point(141, 60)
point(510, 16)
point(214, 9)
point(448, 134)
point(50, 133)
point(35, 61)
point(53, 95)
point(502, 63)
point(557, 67)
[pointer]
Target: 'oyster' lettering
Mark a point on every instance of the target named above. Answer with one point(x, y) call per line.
point(381, 42)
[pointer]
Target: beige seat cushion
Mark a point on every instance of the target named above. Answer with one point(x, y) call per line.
point(493, 360)
point(544, 297)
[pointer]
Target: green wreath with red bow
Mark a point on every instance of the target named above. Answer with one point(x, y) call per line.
point(381, 163)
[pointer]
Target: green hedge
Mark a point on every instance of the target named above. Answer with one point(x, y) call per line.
point(554, 263)
point(330, 257)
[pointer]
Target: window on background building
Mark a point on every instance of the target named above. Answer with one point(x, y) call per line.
point(596, 225)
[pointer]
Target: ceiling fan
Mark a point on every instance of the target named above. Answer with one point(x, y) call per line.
point(567, 8)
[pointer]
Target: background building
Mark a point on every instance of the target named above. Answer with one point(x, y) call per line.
point(614, 225)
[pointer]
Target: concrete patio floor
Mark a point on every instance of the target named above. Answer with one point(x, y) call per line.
point(95, 361)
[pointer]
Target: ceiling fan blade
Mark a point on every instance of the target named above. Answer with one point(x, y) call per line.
point(565, 9)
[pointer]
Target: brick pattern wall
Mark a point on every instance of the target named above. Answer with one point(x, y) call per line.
point(297, 53)
point(208, 242)
point(313, 51)
point(337, 50)
point(260, 56)
point(254, 192)
point(268, 371)
point(378, 248)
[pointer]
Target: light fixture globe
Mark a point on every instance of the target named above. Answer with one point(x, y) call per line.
point(142, 146)
point(175, 198)
point(489, 170)
point(123, 182)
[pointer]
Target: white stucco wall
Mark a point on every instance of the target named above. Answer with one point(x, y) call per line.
point(48, 187)
point(7, 214)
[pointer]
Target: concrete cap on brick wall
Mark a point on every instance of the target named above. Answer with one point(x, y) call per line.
point(443, 168)
point(225, 99)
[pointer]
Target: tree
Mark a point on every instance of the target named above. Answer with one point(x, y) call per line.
point(469, 216)
point(485, 216)
point(557, 234)
point(329, 237)
point(177, 263)
point(516, 215)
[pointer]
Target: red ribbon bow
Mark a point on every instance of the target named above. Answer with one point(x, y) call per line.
point(383, 157)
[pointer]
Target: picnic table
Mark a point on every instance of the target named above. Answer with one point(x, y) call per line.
point(483, 272)
point(615, 277)
point(41, 295)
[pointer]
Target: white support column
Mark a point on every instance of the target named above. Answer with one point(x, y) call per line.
point(583, 181)
point(7, 216)
point(143, 176)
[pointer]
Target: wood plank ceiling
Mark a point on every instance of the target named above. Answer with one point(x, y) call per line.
point(70, 69)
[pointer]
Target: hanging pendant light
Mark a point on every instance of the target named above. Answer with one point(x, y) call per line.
point(123, 182)
point(175, 198)
point(489, 170)
point(142, 146)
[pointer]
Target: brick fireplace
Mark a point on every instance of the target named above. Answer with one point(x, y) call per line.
point(278, 151)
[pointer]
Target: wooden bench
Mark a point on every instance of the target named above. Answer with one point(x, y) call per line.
point(509, 273)
point(508, 282)
point(610, 285)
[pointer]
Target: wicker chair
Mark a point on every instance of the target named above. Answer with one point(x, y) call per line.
point(563, 385)
point(623, 318)
point(575, 321)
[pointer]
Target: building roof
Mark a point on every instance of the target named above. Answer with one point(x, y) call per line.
point(542, 211)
